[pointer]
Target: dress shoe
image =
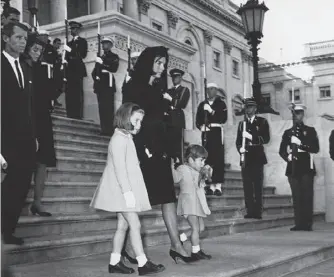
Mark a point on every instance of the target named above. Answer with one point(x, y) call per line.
point(258, 216)
point(307, 228)
point(218, 192)
point(178, 257)
point(200, 255)
point(295, 228)
point(34, 210)
point(120, 268)
point(209, 191)
point(248, 216)
point(150, 268)
point(13, 240)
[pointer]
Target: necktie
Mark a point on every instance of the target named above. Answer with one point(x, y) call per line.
point(19, 74)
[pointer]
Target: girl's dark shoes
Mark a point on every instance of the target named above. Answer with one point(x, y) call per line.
point(150, 268)
point(34, 210)
point(178, 257)
point(200, 255)
point(120, 268)
point(129, 258)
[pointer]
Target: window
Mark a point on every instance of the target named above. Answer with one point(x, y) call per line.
point(266, 99)
point(188, 41)
point(235, 69)
point(216, 59)
point(325, 92)
point(157, 26)
point(120, 8)
point(297, 95)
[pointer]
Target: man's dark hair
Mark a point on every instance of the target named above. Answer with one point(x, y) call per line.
point(56, 40)
point(8, 29)
point(9, 11)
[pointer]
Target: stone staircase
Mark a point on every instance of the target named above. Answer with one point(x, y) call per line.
point(76, 230)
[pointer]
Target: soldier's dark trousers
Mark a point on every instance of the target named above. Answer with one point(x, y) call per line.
point(74, 98)
point(302, 196)
point(105, 99)
point(252, 177)
point(175, 142)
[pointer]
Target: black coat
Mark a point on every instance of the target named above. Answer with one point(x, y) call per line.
point(309, 144)
point(179, 102)
point(220, 115)
point(18, 142)
point(110, 63)
point(259, 130)
point(331, 145)
point(76, 66)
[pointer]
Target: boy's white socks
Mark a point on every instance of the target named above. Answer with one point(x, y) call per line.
point(219, 187)
point(213, 187)
point(183, 237)
point(115, 258)
point(195, 249)
point(142, 260)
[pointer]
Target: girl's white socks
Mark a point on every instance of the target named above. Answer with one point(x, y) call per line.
point(115, 258)
point(142, 260)
point(195, 249)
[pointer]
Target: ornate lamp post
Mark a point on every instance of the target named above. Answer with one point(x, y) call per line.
point(32, 7)
point(252, 15)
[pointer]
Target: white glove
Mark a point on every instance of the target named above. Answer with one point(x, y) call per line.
point(295, 140)
point(208, 108)
point(290, 157)
point(242, 150)
point(3, 162)
point(247, 135)
point(167, 96)
point(203, 129)
point(130, 200)
point(99, 60)
point(148, 153)
point(37, 145)
point(67, 48)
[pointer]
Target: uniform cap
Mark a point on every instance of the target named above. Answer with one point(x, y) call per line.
point(297, 107)
point(74, 24)
point(212, 85)
point(43, 32)
point(107, 39)
point(176, 72)
point(135, 54)
point(250, 102)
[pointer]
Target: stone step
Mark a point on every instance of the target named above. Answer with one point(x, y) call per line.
point(87, 189)
point(69, 124)
point(81, 143)
point(273, 252)
point(55, 247)
point(70, 151)
point(59, 111)
point(72, 205)
point(58, 224)
point(70, 135)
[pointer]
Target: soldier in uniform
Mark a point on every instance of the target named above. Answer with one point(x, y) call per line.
point(56, 44)
point(216, 111)
point(125, 91)
point(177, 99)
point(331, 145)
point(76, 72)
point(105, 86)
point(256, 135)
point(297, 145)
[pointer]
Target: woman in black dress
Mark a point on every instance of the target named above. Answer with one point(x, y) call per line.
point(42, 92)
point(146, 88)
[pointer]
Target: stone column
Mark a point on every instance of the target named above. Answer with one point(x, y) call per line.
point(207, 54)
point(58, 10)
point(97, 6)
point(130, 8)
point(228, 79)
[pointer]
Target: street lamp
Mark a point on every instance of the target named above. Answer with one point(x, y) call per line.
point(252, 15)
point(32, 7)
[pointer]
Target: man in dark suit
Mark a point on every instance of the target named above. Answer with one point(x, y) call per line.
point(177, 99)
point(215, 111)
point(297, 145)
point(9, 14)
point(18, 143)
point(76, 72)
point(331, 145)
point(105, 86)
point(256, 134)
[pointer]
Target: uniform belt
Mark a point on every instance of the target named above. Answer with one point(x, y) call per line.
point(311, 157)
point(218, 125)
point(110, 77)
point(300, 150)
point(49, 66)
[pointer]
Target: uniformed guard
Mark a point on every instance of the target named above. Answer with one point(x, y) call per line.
point(213, 135)
point(76, 72)
point(105, 86)
point(177, 99)
point(125, 92)
point(254, 130)
point(297, 146)
point(331, 145)
point(56, 44)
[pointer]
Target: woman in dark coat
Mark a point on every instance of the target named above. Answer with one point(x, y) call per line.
point(146, 88)
point(42, 91)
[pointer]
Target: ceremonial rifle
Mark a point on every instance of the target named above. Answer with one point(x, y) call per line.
point(294, 149)
point(205, 137)
point(64, 63)
point(129, 56)
point(243, 145)
point(97, 65)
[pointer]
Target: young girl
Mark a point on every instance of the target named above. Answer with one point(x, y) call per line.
point(122, 190)
point(192, 201)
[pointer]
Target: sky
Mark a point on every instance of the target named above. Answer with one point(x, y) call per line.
point(289, 24)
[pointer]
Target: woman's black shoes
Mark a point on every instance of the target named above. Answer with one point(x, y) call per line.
point(200, 255)
point(129, 258)
point(178, 257)
point(150, 268)
point(34, 210)
point(120, 268)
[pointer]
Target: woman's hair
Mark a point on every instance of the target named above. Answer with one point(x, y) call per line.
point(123, 114)
point(31, 41)
point(143, 68)
point(195, 151)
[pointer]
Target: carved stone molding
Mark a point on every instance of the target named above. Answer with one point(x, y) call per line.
point(246, 57)
point(207, 37)
point(227, 47)
point(121, 44)
point(172, 19)
point(144, 6)
point(278, 85)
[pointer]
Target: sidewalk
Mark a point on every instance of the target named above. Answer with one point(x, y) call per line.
point(265, 253)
